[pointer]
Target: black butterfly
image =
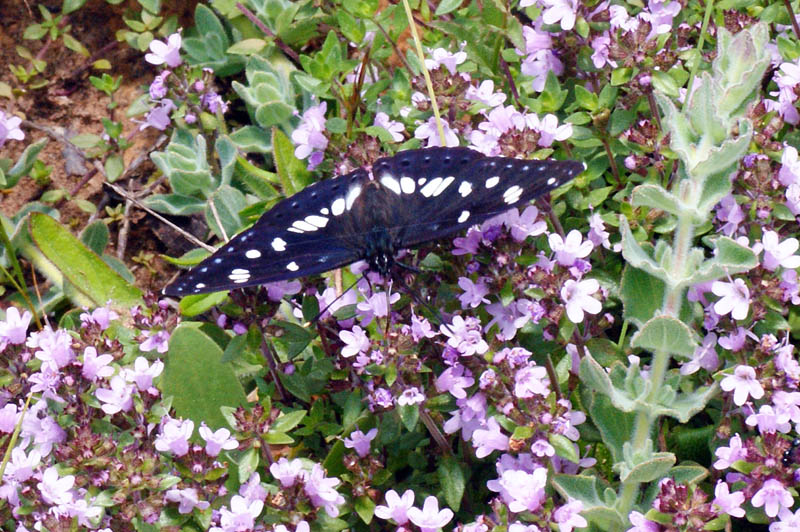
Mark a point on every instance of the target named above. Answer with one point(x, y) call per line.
point(411, 198)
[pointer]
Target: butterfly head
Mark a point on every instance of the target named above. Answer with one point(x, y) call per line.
point(379, 250)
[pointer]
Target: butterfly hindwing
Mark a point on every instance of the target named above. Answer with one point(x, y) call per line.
point(444, 190)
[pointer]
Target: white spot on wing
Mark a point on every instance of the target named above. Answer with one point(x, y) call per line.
point(324, 210)
point(391, 183)
point(295, 230)
point(446, 183)
point(407, 184)
point(512, 194)
point(292, 266)
point(492, 181)
point(240, 271)
point(551, 181)
point(200, 286)
point(302, 226)
point(352, 194)
point(421, 181)
point(319, 221)
point(337, 207)
point(465, 188)
point(239, 275)
point(278, 244)
point(464, 216)
point(431, 186)
point(252, 254)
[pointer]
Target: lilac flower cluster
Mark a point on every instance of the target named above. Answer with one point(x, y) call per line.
point(177, 91)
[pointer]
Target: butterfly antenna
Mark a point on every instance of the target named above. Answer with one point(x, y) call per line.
point(337, 298)
point(418, 298)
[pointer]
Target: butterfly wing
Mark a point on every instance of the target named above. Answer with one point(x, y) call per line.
point(299, 236)
point(439, 191)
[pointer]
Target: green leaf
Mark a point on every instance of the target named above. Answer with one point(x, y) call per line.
point(616, 427)
point(598, 500)
point(199, 383)
point(175, 204)
point(409, 415)
point(248, 463)
point(336, 125)
point(293, 174)
point(288, 421)
point(365, 508)
point(586, 99)
point(641, 293)
point(564, 447)
point(652, 469)
point(85, 271)
point(24, 164)
point(95, 236)
point(452, 480)
point(114, 168)
point(667, 334)
point(447, 6)
point(293, 338)
point(226, 202)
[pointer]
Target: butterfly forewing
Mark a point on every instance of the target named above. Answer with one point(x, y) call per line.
point(299, 236)
point(414, 197)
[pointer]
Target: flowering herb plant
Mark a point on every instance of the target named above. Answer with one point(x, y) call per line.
point(619, 357)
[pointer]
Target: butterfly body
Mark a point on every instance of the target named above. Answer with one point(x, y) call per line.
point(411, 198)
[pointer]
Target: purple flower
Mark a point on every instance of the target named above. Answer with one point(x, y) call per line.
point(21, 466)
point(395, 129)
point(328, 301)
point(735, 298)
point(143, 374)
point(410, 396)
point(286, 472)
point(277, 290)
point(8, 418)
point(510, 318)
point(548, 129)
point(43, 430)
point(9, 128)
point(356, 341)
point(159, 116)
point(309, 136)
point(187, 500)
point(158, 341)
point(174, 436)
point(214, 102)
point(241, 515)
point(600, 56)
point(538, 65)
point(465, 336)
point(568, 516)
point(218, 440)
point(562, 11)
point(421, 328)
point(377, 306)
point(789, 174)
point(13, 330)
point(728, 455)
point(743, 383)
point(705, 356)
point(542, 448)
point(569, 249)
point(660, 16)
point(396, 507)
point(158, 88)
point(729, 503)
point(531, 380)
point(524, 225)
point(521, 490)
point(731, 213)
point(779, 253)
point(454, 379)
point(485, 94)
point(773, 496)
point(577, 296)
point(101, 316)
point(430, 518)
point(468, 244)
point(360, 441)
point(789, 522)
point(469, 417)
point(489, 438)
point(321, 490)
point(118, 398)
point(441, 57)
point(46, 382)
point(428, 130)
point(735, 341)
point(94, 366)
point(165, 52)
point(640, 524)
point(474, 293)
point(768, 420)
point(54, 347)
point(54, 488)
